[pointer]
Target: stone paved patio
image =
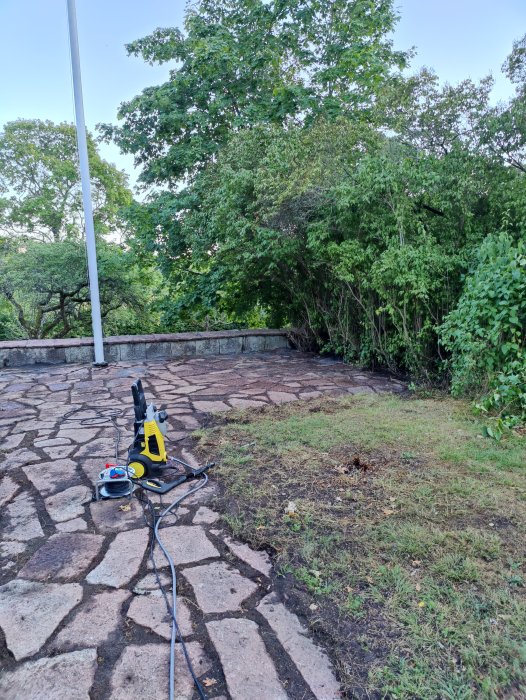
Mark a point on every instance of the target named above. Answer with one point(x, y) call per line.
point(80, 613)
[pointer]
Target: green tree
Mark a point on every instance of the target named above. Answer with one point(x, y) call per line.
point(46, 285)
point(250, 62)
point(40, 194)
point(358, 238)
point(240, 65)
point(503, 134)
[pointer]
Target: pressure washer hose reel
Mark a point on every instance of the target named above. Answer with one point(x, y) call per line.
point(114, 482)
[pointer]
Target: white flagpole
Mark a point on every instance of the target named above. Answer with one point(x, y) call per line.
point(86, 190)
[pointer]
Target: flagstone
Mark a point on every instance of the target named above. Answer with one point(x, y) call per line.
point(12, 441)
point(51, 442)
point(149, 610)
point(59, 452)
point(311, 661)
point(210, 406)
point(64, 556)
point(68, 504)
point(122, 560)
point(149, 583)
point(204, 495)
point(280, 397)
point(75, 525)
point(21, 519)
point(104, 448)
point(12, 548)
point(248, 668)
point(65, 677)
point(205, 516)
point(259, 561)
point(95, 620)
point(245, 403)
point(116, 515)
point(133, 678)
point(30, 612)
point(188, 389)
point(59, 386)
point(218, 587)
point(19, 458)
point(186, 544)
point(8, 489)
point(50, 477)
point(78, 435)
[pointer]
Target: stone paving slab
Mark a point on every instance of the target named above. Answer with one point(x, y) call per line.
point(205, 516)
point(8, 489)
point(64, 556)
point(20, 520)
point(150, 611)
point(218, 587)
point(95, 620)
point(122, 560)
point(75, 525)
point(65, 677)
point(50, 477)
point(257, 560)
point(247, 666)
point(49, 463)
point(117, 515)
point(30, 612)
point(149, 583)
point(68, 504)
point(141, 672)
point(186, 544)
point(309, 659)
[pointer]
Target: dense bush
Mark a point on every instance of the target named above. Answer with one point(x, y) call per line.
point(486, 332)
point(304, 180)
point(356, 238)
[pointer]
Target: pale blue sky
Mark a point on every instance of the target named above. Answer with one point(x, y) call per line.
point(458, 38)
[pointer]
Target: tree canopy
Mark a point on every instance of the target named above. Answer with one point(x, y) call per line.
point(44, 290)
point(47, 286)
point(299, 176)
point(250, 62)
point(40, 193)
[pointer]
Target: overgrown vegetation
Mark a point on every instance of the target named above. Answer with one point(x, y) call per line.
point(403, 532)
point(300, 176)
point(485, 332)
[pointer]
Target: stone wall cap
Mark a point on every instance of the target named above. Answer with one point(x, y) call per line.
point(132, 339)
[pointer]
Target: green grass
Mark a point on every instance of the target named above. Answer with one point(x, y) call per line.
point(408, 534)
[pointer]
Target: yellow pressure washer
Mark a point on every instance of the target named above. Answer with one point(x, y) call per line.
point(147, 457)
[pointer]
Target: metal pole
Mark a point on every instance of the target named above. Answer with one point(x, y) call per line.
point(86, 190)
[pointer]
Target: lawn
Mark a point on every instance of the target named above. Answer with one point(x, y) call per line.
point(398, 534)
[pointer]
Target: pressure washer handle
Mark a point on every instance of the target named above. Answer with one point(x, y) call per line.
point(139, 401)
point(161, 487)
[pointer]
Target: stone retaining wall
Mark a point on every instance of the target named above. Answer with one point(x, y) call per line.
point(17, 353)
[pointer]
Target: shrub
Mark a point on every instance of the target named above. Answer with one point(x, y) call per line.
point(486, 331)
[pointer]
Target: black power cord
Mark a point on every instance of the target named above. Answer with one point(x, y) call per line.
point(99, 420)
